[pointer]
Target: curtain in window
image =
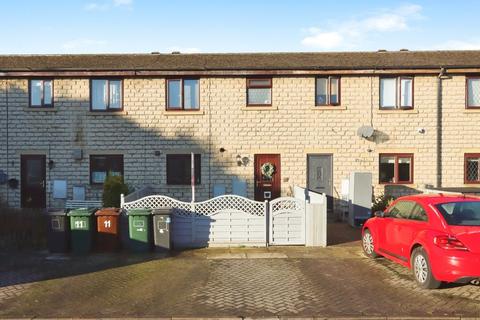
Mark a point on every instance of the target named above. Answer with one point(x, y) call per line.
point(388, 93)
point(406, 90)
point(322, 91)
point(36, 92)
point(404, 169)
point(99, 94)
point(334, 88)
point(259, 96)
point(174, 94)
point(190, 94)
point(115, 94)
point(47, 92)
point(387, 169)
point(474, 92)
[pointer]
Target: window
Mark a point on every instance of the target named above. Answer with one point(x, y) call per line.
point(106, 95)
point(41, 93)
point(101, 165)
point(259, 92)
point(418, 213)
point(408, 210)
point(473, 92)
point(327, 91)
point(179, 169)
point(472, 168)
point(183, 94)
point(396, 93)
point(462, 213)
point(396, 168)
point(401, 209)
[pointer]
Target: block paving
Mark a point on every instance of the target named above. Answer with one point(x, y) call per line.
point(337, 281)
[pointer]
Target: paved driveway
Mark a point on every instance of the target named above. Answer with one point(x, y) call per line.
point(336, 282)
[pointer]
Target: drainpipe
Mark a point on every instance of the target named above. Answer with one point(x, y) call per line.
point(441, 74)
point(7, 146)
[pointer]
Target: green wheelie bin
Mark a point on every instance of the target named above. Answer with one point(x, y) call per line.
point(82, 228)
point(139, 230)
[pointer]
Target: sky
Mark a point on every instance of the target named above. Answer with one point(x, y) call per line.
point(201, 26)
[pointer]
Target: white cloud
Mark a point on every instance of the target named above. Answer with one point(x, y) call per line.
point(352, 32)
point(107, 5)
point(96, 7)
point(83, 45)
point(323, 40)
point(459, 45)
point(122, 2)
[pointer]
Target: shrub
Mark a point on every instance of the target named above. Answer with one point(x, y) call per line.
point(382, 202)
point(113, 187)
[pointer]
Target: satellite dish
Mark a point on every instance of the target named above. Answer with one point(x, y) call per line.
point(365, 132)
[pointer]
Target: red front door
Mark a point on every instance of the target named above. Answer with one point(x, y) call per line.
point(267, 177)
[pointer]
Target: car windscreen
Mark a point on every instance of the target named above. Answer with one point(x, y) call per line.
point(461, 213)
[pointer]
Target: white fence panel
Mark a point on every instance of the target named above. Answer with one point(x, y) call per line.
point(222, 221)
point(287, 221)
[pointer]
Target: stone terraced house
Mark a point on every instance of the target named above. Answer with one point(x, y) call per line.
point(70, 119)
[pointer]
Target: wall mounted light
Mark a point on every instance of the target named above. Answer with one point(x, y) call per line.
point(242, 161)
point(222, 150)
point(51, 164)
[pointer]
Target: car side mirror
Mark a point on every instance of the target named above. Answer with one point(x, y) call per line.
point(379, 214)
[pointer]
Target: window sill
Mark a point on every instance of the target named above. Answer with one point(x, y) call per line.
point(472, 110)
point(398, 111)
point(184, 113)
point(107, 113)
point(408, 184)
point(328, 108)
point(29, 109)
point(258, 108)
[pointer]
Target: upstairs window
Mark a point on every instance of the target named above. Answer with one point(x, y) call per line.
point(41, 93)
point(473, 92)
point(179, 171)
point(396, 169)
point(259, 92)
point(396, 93)
point(106, 95)
point(472, 168)
point(327, 91)
point(101, 165)
point(183, 94)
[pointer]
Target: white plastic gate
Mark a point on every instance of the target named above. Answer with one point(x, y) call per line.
point(287, 221)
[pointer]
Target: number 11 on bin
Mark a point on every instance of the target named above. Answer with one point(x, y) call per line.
point(107, 223)
point(80, 224)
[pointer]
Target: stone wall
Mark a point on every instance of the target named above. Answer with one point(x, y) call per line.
point(293, 127)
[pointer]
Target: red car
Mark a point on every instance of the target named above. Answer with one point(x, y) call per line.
point(437, 236)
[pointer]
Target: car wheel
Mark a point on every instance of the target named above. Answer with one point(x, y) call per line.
point(368, 245)
point(422, 270)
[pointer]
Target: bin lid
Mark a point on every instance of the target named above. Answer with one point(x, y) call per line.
point(139, 212)
point(108, 212)
point(55, 212)
point(81, 212)
point(162, 211)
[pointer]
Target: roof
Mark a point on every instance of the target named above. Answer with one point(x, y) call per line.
point(242, 61)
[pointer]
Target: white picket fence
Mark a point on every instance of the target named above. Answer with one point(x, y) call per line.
point(231, 220)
